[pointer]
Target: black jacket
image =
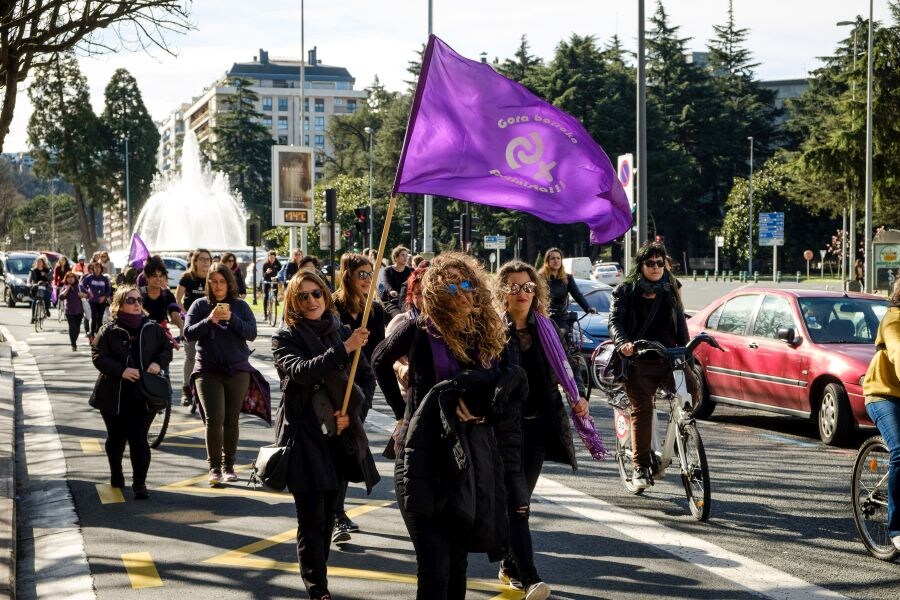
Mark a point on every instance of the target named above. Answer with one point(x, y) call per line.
point(317, 461)
point(111, 355)
point(375, 325)
point(560, 447)
point(623, 325)
point(559, 295)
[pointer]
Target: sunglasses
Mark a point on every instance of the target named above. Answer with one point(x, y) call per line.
point(463, 286)
point(134, 300)
point(514, 288)
point(364, 275)
point(655, 263)
point(304, 296)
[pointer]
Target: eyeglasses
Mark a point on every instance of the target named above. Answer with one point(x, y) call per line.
point(527, 287)
point(134, 300)
point(463, 286)
point(304, 296)
point(659, 264)
point(364, 275)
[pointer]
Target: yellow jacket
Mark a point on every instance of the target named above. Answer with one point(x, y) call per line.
point(883, 377)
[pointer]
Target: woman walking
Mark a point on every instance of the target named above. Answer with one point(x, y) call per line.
point(191, 287)
point(450, 506)
point(71, 295)
point(391, 278)
point(881, 388)
point(221, 324)
point(561, 285)
point(98, 289)
point(60, 269)
point(229, 259)
point(534, 344)
point(313, 354)
point(125, 348)
point(647, 305)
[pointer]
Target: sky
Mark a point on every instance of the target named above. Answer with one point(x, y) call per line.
point(380, 37)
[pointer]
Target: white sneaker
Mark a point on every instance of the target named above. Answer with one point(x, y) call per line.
point(641, 478)
point(896, 542)
point(538, 591)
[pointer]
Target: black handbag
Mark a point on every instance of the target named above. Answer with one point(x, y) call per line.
point(615, 369)
point(153, 388)
point(270, 469)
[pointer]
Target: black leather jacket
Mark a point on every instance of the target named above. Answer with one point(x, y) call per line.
point(559, 295)
point(623, 325)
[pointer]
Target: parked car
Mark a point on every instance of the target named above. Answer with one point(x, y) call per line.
point(795, 352)
point(595, 327)
point(248, 280)
point(609, 273)
point(14, 270)
point(176, 268)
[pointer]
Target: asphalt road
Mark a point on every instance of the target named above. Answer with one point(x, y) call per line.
point(780, 525)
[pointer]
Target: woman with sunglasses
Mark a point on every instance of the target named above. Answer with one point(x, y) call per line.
point(443, 425)
point(560, 286)
point(313, 353)
point(229, 259)
point(350, 303)
point(534, 344)
point(221, 324)
point(647, 305)
point(126, 347)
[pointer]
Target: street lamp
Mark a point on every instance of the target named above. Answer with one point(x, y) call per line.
point(869, 262)
point(851, 255)
point(32, 231)
point(369, 132)
point(750, 219)
point(27, 238)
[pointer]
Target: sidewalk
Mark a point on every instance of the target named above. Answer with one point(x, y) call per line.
point(7, 473)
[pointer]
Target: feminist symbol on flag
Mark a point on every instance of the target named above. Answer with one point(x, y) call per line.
point(522, 151)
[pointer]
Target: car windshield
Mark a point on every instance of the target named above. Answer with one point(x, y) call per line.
point(599, 299)
point(19, 265)
point(842, 320)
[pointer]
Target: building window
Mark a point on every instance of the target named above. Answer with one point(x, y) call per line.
point(282, 123)
point(283, 104)
point(305, 104)
point(306, 140)
point(320, 159)
point(305, 123)
point(320, 123)
point(267, 102)
point(279, 83)
point(267, 122)
point(343, 85)
point(282, 140)
point(351, 105)
point(320, 141)
point(320, 104)
point(338, 101)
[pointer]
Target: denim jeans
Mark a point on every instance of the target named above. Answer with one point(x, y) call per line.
point(886, 415)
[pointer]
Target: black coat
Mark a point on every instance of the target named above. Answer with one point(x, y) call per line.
point(111, 355)
point(560, 447)
point(318, 462)
point(559, 290)
point(623, 325)
point(375, 325)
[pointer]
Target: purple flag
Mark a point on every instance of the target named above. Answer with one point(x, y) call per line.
point(138, 253)
point(475, 135)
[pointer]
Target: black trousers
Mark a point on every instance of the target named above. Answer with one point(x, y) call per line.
point(74, 327)
point(519, 488)
point(315, 523)
point(130, 427)
point(97, 311)
point(441, 557)
point(340, 511)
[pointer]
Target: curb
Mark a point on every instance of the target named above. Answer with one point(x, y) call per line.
point(7, 474)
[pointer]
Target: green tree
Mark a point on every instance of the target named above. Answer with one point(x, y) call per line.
point(10, 197)
point(242, 149)
point(54, 219)
point(68, 140)
point(126, 118)
point(527, 69)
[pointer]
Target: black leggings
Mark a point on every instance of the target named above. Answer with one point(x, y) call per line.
point(74, 327)
point(97, 311)
point(315, 522)
point(129, 427)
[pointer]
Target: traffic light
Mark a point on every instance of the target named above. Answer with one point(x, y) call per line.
point(331, 205)
point(254, 228)
point(362, 219)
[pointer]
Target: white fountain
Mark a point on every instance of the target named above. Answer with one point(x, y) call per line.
point(194, 210)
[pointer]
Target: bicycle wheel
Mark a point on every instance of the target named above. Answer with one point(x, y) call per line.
point(273, 310)
point(623, 458)
point(596, 369)
point(696, 477)
point(869, 490)
point(39, 317)
point(580, 369)
point(158, 427)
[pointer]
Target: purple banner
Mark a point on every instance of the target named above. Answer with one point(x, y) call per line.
point(477, 136)
point(138, 253)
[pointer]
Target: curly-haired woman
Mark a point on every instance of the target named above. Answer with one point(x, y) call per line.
point(445, 447)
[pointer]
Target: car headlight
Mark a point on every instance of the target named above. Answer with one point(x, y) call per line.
point(16, 281)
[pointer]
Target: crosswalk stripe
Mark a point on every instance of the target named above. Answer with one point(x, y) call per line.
point(91, 446)
point(109, 494)
point(141, 570)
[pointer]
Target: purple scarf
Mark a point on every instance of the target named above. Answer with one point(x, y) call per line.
point(556, 356)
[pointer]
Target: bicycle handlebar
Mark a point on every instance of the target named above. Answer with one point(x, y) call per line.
point(644, 347)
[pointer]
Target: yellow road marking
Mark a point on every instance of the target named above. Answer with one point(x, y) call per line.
point(91, 446)
point(199, 445)
point(141, 570)
point(109, 494)
point(186, 431)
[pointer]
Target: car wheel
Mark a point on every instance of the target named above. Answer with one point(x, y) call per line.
point(835, 419)
point(705, 407)
point(9, 298)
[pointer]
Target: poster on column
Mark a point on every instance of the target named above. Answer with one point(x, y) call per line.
point(292, 186)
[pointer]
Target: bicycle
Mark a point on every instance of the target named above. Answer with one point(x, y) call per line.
point(869, 495)
point(573, 345)
point(682, 438)
point(271, 302)
point(39, 309)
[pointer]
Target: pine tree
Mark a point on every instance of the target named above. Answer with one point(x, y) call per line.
point(126, 117)
point(525, 68)
point(242, 149)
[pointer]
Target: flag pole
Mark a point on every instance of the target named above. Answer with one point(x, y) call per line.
point(376, 268)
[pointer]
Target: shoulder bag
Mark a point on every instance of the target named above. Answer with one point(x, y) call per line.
point(153, 388)
point(270, 469)
point(616, 366)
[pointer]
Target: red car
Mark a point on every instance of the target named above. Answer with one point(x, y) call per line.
point(796, 352)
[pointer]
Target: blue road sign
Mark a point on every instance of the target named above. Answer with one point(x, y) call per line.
point(771, 229)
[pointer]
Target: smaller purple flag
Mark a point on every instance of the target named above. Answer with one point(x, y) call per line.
point(477, 136)
point(137, 253)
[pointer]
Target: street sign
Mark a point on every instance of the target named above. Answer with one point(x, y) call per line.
point(771, 229)
point(495, 242)
point(720, 241)
point(626, 176)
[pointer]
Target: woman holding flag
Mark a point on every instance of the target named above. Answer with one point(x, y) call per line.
point(534, 345)
point(446, 451)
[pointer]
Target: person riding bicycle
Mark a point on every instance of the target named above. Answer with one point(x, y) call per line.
point(270, 269)
point(37, 277)
point(561, 285)
point(647, 305)
point(881, 388)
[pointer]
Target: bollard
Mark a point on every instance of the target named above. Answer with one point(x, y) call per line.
point(798, 276)
point(778, 277)
point(706, 274)
point(716, 276)
point(695, 274)
point(755, 276)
